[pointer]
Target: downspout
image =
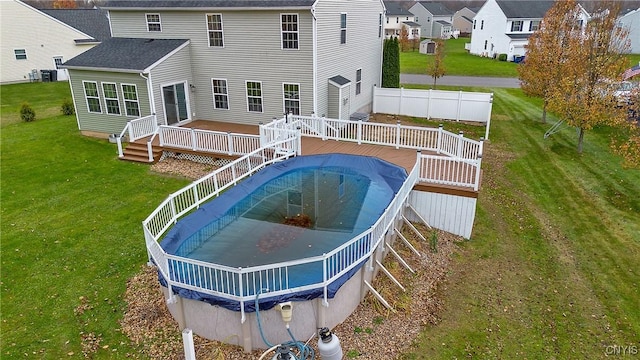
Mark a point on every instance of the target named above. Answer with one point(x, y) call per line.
point(315, 57)
point(152, 103)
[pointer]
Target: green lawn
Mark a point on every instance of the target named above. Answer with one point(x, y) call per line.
point(551, 270)
point(457, 61)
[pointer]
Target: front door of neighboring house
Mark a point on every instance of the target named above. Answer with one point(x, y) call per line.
point(62, 74)
point(175, 103)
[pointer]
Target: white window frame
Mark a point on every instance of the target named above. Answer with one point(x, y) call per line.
point(261, 97)
point(359, 81)
point(20, 56)
point(537, 25)
point(55, 63)
point(125, 100)
point(283, 32)
point(107, 99)
point(343, 29)
point(515, 28)
point(226, 94)
point(149, 23)
point(87, 97)
point(209, 31)
point(292, 100)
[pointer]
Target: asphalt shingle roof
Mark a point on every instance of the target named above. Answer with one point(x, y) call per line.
point(340, 80)
point(206, 3)
point(92, 22)
point(394, 8)
point(525, 9)
point(436, 8)
point(125, 54)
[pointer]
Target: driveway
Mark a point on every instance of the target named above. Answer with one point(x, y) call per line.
point(461, 81)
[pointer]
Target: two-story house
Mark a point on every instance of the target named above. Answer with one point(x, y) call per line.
point(630, 20)
point(397, 18)
point(504, 27)
point(435, 19)
point(34, 40)
point(232, 61)
point(463, 20)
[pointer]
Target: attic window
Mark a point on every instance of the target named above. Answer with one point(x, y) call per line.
point(534, 25)
point(153, 22)
point(516, 26)
point(21, 54)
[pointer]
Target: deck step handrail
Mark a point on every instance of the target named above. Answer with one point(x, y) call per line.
point(242, 284)
point(450, 171)
point(137, 129)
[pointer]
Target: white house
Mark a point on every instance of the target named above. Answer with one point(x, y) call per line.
point(435, 19)
point(396, 18)
point(35, 40)
point(631, 21)
point(504, 27)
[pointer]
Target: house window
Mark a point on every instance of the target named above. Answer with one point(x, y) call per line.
point(343, 28)
point(21, 54)
point(397, 19)
point(92, 97)
point(254, 96)
point(474, 24)
point(387, 20)
point(220, 94)
point(291, 96)
point(534, 25)
point(130, 95)
point(358, 81)
point(111, 102)
point(214, 28)
point(57, 61)
point(516, 26)
point(415, 19)
point(380, 25)
point(485, 44)
point(289, 25)
point(153, 22)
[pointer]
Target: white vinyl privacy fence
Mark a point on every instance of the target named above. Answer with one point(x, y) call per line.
point(439, 104)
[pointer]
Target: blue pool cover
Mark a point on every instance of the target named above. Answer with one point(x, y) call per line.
point(344, 194)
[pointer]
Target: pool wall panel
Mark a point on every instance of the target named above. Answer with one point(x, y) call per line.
point(451, 213)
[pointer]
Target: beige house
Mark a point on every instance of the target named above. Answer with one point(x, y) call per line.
point(33, 40)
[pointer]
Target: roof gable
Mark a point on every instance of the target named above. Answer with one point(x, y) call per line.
point(394, 8)
point(92, 22)
point(126, 54)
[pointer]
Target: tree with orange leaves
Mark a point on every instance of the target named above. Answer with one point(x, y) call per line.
point(65, 4)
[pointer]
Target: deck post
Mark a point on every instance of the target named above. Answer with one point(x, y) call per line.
point(193, 139)
point(230, 142)
point(299, 140)
point(439, 146)
point(459, 149)
point(149, 150)
point(323, 128)
point(398, 128)
point(359, 132)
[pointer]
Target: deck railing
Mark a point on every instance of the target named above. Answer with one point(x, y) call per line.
point(244, 284)
point(207, 141)
point(137, 129)
point(399, 136)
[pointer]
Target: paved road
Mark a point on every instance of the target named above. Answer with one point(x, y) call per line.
point(461, 81)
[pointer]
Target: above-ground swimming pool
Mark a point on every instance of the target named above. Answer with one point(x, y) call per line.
point(299, 208)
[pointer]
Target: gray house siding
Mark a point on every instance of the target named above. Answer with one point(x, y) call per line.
point(252, 52)
point(363, 49)
point(423, 15)
point(103, 122)
point(177, 68)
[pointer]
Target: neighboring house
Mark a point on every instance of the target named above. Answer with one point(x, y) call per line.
point(631, 21)
point(396, 18)
point(242, 62)
point(463, 20)
point(435, 19)
point(35, 40)
point(504, 27)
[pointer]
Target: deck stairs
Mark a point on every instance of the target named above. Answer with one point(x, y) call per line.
point(405, 229)
point(137, 151)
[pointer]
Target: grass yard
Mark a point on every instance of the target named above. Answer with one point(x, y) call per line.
point(457, 61)
point(71, 231)
point(551, 270)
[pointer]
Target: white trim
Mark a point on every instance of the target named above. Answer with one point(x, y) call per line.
point(284, 106)
point(146, 17)
point(173, 52)
point(206, 22)
point(104, 96)
point(297, 32)
point(246, 95)
point(315, 58)
point(86, 99)
point(124, 99)
point(213, 94)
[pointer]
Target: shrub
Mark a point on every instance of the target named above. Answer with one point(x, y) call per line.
point(27, 113)
point(67, 107)
point(502, 57)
